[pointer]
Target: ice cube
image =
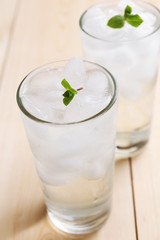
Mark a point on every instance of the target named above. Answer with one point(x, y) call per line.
point(93, 12)
point(96, 81)
point(75, 72)
point(43, 82)
point(96, 27)
point(143, 72)
point(95, 22)
point(55, 176)
point(36, 107)
point(58, 162)
point(147, 26)
point(98, 164)
point(94, 170)
point(148, 18)
point(45, 106)
point(135, 9)
point(54, 99)
point(95, 95)
point(92, 98)
point(42, 96)
point(86, 105)
point(111, 12)
point(117, 59)
point(123, 56)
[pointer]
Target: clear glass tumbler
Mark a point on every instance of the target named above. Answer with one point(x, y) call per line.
point(74, 160)
point(134, 63)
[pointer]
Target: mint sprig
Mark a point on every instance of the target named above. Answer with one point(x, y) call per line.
point(118, 21)
point(69, 94)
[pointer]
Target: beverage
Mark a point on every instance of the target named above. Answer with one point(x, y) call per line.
point(73, 145)
point(132, 55)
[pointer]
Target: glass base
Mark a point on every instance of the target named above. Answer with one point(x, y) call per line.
point(130, 144)
point(78, 226)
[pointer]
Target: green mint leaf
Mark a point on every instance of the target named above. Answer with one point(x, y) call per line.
point(69, 94)
point(134, 20)
point(66, 94)
point(127, 11)
point(68, 97)
point(116, 21)
point(73, 91)
point(67, 86)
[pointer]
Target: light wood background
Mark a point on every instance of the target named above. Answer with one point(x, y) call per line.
point(34, 32)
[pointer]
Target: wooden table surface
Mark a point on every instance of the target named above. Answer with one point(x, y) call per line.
point(34, 32)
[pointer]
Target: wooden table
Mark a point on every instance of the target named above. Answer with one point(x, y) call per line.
point(34, 32)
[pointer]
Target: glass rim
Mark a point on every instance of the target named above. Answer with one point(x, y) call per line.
point(119, 41)
point(105, 109)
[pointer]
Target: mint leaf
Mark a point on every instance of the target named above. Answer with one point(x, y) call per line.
point(67, 86)
point(128, 11)
point(134, 20)
point(66, 101)
point(68, 96)
point(67, 93)
point(73, 91)
point(116, 21)
point(70, 93)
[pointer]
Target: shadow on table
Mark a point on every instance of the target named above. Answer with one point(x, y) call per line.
point(21, 219)
point(30, 218)
point(50, 232)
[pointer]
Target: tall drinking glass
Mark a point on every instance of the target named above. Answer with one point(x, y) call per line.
point(132, 55)
point(73, 146)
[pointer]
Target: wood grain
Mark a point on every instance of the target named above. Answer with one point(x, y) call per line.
point(146, 177)
point(45, 31)
point(146, 180)
point(7, 15)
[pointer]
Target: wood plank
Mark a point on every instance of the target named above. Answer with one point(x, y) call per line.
point(44, 31)
point(7, 15)
point(146, 180)
point(146, 177)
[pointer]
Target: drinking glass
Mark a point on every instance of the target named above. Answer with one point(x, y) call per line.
point(74, 159)
point(134, 63)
